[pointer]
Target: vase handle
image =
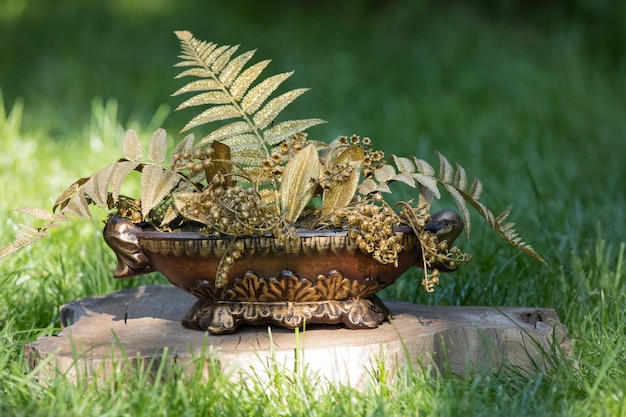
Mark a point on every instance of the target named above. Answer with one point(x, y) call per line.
point(121, 236)
point(446, 225)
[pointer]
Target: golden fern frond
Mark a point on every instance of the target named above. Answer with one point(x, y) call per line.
point(228, 91)
point(37, 212)
point(133, 151)
point(156, 183)
point(506, 231)
point(157, 150)
point(455, 182)
point(25, 235)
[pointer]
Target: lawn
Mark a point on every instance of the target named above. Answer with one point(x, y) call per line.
point(528, 96)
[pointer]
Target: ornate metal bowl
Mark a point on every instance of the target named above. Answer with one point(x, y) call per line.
point(322, 277)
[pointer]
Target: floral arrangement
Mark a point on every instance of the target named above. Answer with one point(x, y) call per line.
point(252, 175)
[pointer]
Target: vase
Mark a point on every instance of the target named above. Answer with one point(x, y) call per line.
point(320, 277)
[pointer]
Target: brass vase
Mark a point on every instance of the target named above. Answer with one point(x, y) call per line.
point(322, 277)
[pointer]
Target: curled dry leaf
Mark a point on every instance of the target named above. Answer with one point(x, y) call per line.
point(341, 192)
point(299, 182)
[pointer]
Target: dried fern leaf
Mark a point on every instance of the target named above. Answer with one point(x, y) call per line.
point(24, 236)
point(281, 131)
point(156, 183)
point(272, 108)
point(367, 186)
point(507, 230)
point(234, 67)
point(232, 96)
point(198, 85)
point(39, 213)
point(243, 141)
point(69, 193)
point(246, 78)
point(97, 187)
point(78, 206)
point(429, 183)
point(226, 131)
point(212, 58)
point(194, 72)
point(157, 150)
point(133, 151)
point(211, 97)
point(170, 215)
point(460, 178)
point(446, 171)
point(405, 178)
point(257, 95)
point(425, 199)
point(424, 167)
point(121, 171)
point(405, 166)
point(503, 216)
point(299, 182)
point(220, 61)
point(476, 190)
point(385, 173)
point(213, 114)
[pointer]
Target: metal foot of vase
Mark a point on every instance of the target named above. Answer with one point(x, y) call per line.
point(219, 317)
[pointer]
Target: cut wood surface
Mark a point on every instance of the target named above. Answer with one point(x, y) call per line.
point(140, 323)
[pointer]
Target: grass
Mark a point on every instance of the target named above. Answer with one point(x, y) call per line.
point(530, 98)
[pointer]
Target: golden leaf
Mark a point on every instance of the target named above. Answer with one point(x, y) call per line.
point(428, 182)
point(234, 67)
point(227, 90)
point(340, 193)
point(186, 203)
point(384, 173)
point(226, 131)
point(221, 162)
point(259, 93)
point(223, 58)
point(446, 171)
point(213, 114)
point(158, 147)
point(476, 190)
point(156, 183)
point(198, 85)
point(121, 171)
point(210, 97)
point(69, 193)
point(37, 212)
point(97, 187)
point(299, 182)
point(272, 108)
point(404, 164)
point(246, 78)
point(133, 150)
point(281, 131)
point(424, 167)
point(460, 178)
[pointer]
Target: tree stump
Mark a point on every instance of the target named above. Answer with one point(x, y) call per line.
point(138, 324)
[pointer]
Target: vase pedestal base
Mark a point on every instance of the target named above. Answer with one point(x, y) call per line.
point(220, 317)
point(141, 328)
